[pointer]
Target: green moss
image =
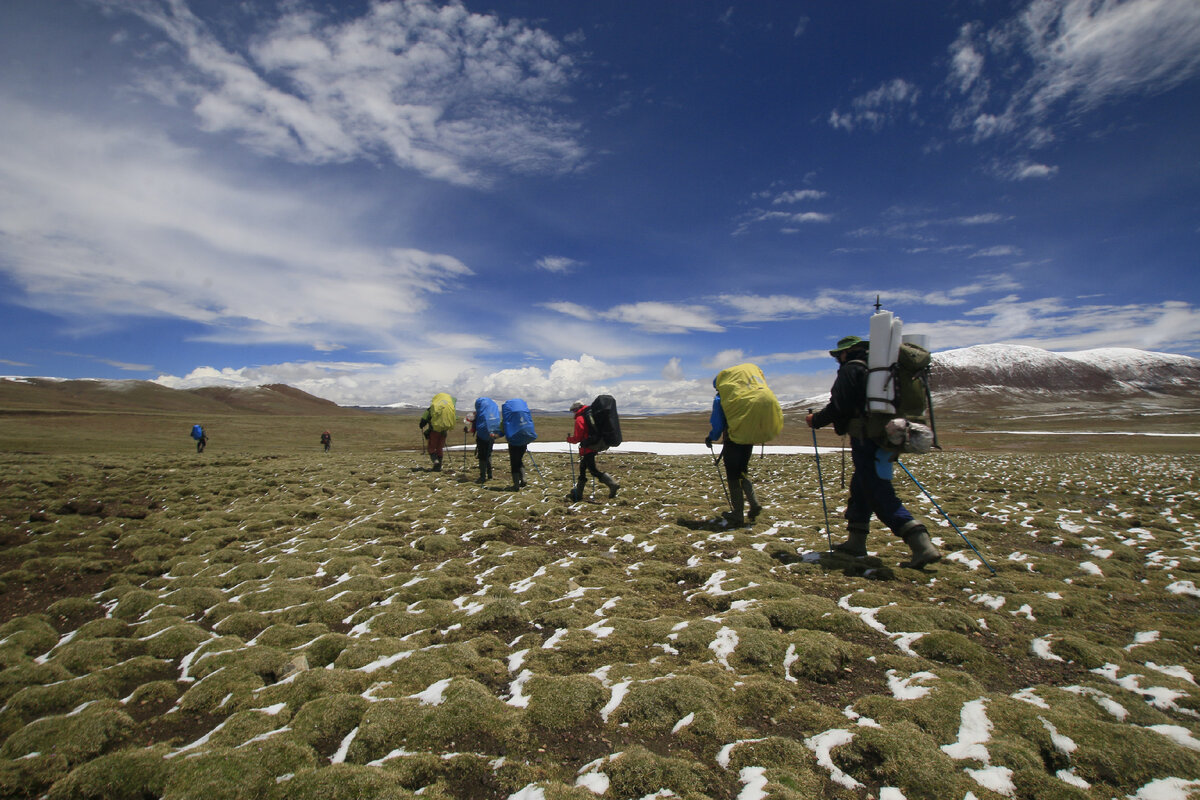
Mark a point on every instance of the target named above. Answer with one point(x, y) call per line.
point(154, 693)
point(342, 782)
point(505, 614)
point(31, 635)
point(226, 689)
point(637, 772)
point(656, 706)
point(77, 738)
point(323, 722)
point(902, 755)
point(819, 656)
point(243, 624)
point(89, 655)
point(325, 650)
point(565, 702)
point(104, 628)
point(954, 648)
point(926, 618)
point(121, 775)
point(176, 640)
point(16, 677)
point(237, 773)
point(811, 612)
point(469, 718)
point(134, 603)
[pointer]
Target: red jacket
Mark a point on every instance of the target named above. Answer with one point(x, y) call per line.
point(581, 432)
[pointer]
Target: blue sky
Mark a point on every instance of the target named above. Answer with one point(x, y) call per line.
point(378, 201)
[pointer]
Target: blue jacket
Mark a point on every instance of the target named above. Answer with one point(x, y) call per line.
point(716, 420)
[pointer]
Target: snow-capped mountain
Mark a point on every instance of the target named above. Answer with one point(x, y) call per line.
point(1113, 370)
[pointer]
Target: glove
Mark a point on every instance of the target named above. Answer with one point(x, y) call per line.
point(708, 442)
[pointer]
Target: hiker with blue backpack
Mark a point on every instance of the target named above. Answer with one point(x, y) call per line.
point(200, 436)
point(517, 422)
point(484, 422)
point(591, 437)
point(871, 489)
point(737, 467)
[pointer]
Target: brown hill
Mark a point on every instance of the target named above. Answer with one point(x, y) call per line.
point(52, 395)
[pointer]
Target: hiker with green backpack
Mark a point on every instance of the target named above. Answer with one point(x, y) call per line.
point(871, 489)
point(744, 413)
point(440, 417)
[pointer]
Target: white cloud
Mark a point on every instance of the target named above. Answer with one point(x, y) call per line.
point(1055, 324)
point(557, 264)
point(881, 106)
point(798, 196)
point(672, 371)
point(1069, 57)
point(725, 358)
point(664, 317)
point(571, 309)
point(997, 251)
point(448, 93)
point(121, 222)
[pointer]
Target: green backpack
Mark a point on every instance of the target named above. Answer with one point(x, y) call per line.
point(910, 429)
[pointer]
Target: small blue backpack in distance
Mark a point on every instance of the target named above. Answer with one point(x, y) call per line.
point(197, 432)
point(487, 418)
point(518, 423)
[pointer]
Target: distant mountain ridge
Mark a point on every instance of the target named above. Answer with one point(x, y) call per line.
point(1113, 371)
point(57, 395)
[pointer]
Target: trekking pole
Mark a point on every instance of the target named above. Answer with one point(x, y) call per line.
point(947, 516)
point(821, 483)
point(571, 454)
point(721, 478)
point(464, 449)
point(535, 466)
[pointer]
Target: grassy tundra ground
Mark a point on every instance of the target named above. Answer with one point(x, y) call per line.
point(267, 620)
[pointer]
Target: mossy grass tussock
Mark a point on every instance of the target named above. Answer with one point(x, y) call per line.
point(354, 625)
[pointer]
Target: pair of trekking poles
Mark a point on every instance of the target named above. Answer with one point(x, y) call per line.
point(821, 483)
point(825, 507)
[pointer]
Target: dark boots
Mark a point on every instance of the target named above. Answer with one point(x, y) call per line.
point(608, 481)
point(577, 492)
point(923, 551)
point(483, 474)
point(735, 518)
point(748, 490)
point(437, 462)
point(856, 544)
point(518, 477)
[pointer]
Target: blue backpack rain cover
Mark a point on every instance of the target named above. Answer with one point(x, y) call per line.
point(487, 418)
point(197, 432)
point(518, 423)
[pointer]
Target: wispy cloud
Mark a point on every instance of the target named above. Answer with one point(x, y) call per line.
point(664, 317)
point(1071, 56)
point(448, 93)
point(557, 264)
point(879, 107)
point(122, 222)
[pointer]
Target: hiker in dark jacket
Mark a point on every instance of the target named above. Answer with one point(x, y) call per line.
point(737, 466)
point(326, 440)
point(200, 436)
point(587, 456)
point(870, 491)
point(483, 447)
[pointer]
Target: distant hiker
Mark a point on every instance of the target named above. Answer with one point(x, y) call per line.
point(737, 466)
point(585, 436)
point(200, 436)
point(517, 424)
point(440, 417)
point(871, 488)
point(326, 440)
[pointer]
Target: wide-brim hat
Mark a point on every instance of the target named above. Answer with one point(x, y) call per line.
point(846, 343)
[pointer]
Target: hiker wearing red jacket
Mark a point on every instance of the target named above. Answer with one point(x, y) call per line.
point(587, 456)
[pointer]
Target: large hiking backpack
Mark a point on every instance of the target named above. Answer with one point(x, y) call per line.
point(603, 424)
point(442, 416)
point(487, 419)
point(752, 412)
point(907, 426)
point(518, 423)
point(197, 432)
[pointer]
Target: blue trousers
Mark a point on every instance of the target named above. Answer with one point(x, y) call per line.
point(870, 493)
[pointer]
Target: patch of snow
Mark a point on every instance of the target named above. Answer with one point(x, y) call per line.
point(1178, 734)
point(529, 792)
point(1040, 647)
point(340, 756)
point(902, 688)
point(435, 694)
point(724, 645)
point(684, 722)
point(997, 779)
point(1166, 789)
point(619, 690)
point(974, 730)
point(754, 780)
point(822, 746)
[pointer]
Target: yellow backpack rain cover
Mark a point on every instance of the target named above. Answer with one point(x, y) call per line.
point(751, 410)
point(444, 417)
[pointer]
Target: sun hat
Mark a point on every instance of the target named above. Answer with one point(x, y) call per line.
point(846, 343)
point(576, 405)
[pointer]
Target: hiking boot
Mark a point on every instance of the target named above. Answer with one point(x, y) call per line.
point(755, 508)
point(612, 485)
point(734, 519)
point(923, 551)
point(856, 544)
point(483, 476)
point(577, 492)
